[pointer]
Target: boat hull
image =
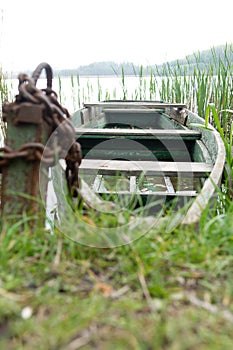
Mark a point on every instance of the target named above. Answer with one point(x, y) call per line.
point(154, 152)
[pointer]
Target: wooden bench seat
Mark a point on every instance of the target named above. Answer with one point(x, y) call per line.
point(152, 111)
point(175, 134)
point(152, 168)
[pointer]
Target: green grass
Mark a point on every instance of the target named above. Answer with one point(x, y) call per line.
point(164, 291)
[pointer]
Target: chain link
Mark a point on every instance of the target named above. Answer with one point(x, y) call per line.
point(58, 120)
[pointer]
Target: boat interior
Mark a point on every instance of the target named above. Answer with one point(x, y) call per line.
point(141, 152)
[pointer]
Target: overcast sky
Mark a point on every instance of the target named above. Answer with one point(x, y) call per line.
point(70, 33)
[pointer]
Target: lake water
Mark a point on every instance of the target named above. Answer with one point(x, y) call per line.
point(73, 92)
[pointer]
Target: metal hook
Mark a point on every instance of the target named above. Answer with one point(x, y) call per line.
point(49, 73)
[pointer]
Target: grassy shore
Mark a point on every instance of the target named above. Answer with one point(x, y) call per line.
point(164, 291)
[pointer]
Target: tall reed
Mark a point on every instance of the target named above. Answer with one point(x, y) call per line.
point(4, 93)
point(199, 84)
point(4, 97)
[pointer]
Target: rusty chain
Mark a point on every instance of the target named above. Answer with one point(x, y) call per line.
point(58, 120)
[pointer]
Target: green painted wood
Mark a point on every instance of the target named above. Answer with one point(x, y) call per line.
point(138, 149)
point(141, 144)
point(177, 156)
point(143, 119)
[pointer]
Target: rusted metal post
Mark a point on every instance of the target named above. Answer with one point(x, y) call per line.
point(20, 176)
point(31, 120)
point(28, 131)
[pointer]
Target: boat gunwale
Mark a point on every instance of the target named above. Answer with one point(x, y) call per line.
point(209, 188)
point(140, 104)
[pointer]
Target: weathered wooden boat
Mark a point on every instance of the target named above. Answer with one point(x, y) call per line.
point(149, 154)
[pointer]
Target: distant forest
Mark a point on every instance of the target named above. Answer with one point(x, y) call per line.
point(203, 58)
